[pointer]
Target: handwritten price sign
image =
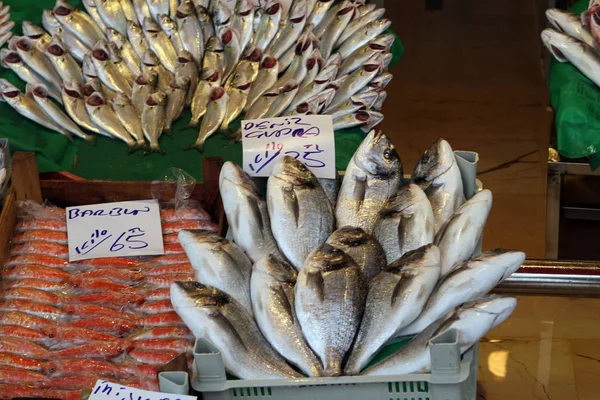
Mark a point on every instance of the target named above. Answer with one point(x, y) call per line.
point(129, 228)
point(308, 138)
point(113, 391)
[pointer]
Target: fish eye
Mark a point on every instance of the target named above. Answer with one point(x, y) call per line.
point(302, 168)
point(387, 154)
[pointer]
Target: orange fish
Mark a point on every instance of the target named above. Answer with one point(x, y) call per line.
point(166, 280)
point(103, 350)
point(173, 248)
point(140, 370)
point(180, 258)
point(40, 235)
point(37, 259)
point(164, 332)
point(92, 310)
point(110, 262)
point(24, 320)
point(22, 347)
point(37, 284)
point(155, 307)
point(46, 224)
point(40, 296)
point(38, 247)
point(93, 285)
point(118, 275)
point(34, 335)
point(82, 381)
point(111, 325)
point(20, 376)
point(71, 366)
point(19, 391)
point(178, 345)
point(162, 319)
point(171, 238)
point(74, 336)
point(176, 226)
point(153, 357)
point(18, 361)
point(112, 299)
point(32, 307)
point(38, 272)
point(159, 294)
point(185, 213)
point(170, 269)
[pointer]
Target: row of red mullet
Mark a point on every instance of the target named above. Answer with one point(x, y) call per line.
point(64, 325)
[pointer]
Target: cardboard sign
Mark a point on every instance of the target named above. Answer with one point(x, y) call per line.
point(128, 228)
point(307, 138)
point(104, 390)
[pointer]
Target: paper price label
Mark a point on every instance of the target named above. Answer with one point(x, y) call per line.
point(307, 138)
point(128, 228)
point(104, 390)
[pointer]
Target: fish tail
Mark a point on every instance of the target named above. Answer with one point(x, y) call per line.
point(91, 139)
point(196, 145)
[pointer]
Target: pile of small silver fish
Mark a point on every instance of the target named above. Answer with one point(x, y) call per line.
point(126, 69)
point(576, 39)
point(322, 274)
point(63, 325)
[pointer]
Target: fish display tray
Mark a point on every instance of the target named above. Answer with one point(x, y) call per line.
point(452, 378)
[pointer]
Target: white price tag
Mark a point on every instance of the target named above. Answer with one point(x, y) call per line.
point(128, 228)
point(308, 138)
point(104, 390)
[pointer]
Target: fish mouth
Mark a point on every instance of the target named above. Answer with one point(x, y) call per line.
point(370, 67)
point(95, 100)
point(255, 56)
point(244, 86)
point(182, 60)
point(24, 45)
point(217, 93)
point(297, 19)
point(227, 36)
point(35, 37)
point(72, 93)
point(100, 54)
point(362, 116)
point(40, 92)
point(88, 90)
point(10, 94)
point(55, 50)
point(62, 11)
point(140, 80)
point(12, 58)
point(378, 47)
point(245, 13)
point(269, 62)
point(214, 77)
point(273, 9)
point(302, 108)
point(151, 101)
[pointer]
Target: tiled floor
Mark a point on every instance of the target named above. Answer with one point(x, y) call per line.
point(472, 74)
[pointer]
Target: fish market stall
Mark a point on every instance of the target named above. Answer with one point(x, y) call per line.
point(313, 75)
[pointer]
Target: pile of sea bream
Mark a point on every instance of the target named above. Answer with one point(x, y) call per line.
point(320, 276)
point(63, 325)
point(127, 69)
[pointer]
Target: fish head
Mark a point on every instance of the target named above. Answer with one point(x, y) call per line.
point(327, 258)
point(243, 8)
point(252, 54)
point(371, 119)
point(40, 91)
point(52, 368)
point(150, 26)
point(24, 44)
point(63, 8)
point(115, 36)
point(114, 53)
point(293, 172)
point(214, 44)
point(231, 172)
point(427, 256)
point(382, 43)
point(298, 11)
point(50, 22)
point(95, 100)
point(387, 59)
point(189, 236)
point(180, 82)
point(509, 260)
point(200, 297)
point(373, 64)
point(150, 59)
point(100, 51)
point(279, 270)
point(268, 62)
point(334, 59)
point(32, 30)
point(10, 93)
point(9, 57)
point(209, 75)
point(121, 100)
point(315, 60)
point(273, 7)
point(221, 14)
point(134, 30)
point(366, 99)
point(73, 90)
point(241, 81)
point(558, 43)
point(307, 108)
point(184, 57)
point(558, 18)
point(185, 9)
point(324, 99)
point(434, 162)
point(203, 15)
point(382, 24)
point(88, 68)
point(55, 47)
point(500, 306)
point(167, 24)
point(377, 155)
point(349, 236)
point(289, 87)
point(157, 99)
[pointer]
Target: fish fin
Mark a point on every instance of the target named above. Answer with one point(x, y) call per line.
point(150, 149)
point(279, 294)
point(92, 139)
point(227, 326)
point(360, 190)
point(256, 211)
point(197, 146)
point(314, 281)
point(289, 198)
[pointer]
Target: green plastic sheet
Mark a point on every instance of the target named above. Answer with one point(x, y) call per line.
point(576, 100)
point(108, 159)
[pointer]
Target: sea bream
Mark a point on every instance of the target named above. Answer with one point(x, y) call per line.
point(108, 73)
point(437, 173)
point(472, 321)
point(466, 282)
point(38, 36)
point(373, 175)
point(397, 295)
point(300, 212)
point(329, 301)
point(405, 223)
point(219, 263)
point(216, 316)
point(246, 213)
point(272, 293)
